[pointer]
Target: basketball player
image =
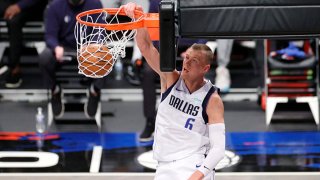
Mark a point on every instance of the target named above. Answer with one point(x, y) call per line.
point(189, 138)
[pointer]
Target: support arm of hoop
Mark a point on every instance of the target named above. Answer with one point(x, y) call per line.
point(167, 37)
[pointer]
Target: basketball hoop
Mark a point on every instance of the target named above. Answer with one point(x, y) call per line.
point(101, 37)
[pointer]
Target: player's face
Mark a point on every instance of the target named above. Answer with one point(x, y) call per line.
point(193, 64)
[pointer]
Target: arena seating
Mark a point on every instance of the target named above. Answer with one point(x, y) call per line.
point(292, 80)
point(33, 33)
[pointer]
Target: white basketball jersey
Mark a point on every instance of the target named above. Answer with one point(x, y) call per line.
point(181, 122)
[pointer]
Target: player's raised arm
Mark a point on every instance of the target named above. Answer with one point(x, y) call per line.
point(143, 40)
point(147, 48)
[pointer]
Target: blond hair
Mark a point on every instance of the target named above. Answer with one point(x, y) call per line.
point(207, 51)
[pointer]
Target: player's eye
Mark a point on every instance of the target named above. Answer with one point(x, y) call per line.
point(195, 61)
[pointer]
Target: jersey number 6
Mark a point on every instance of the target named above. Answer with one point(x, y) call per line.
point(189, 123)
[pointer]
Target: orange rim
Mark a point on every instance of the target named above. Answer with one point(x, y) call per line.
point(147, 20)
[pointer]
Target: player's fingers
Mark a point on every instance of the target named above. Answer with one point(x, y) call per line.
point(132, 8)
point(124, 7)
point(128, 9)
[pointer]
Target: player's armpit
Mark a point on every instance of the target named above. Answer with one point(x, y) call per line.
point(171, 77)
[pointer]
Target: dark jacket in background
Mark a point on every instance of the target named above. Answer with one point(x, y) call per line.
point(60, 21)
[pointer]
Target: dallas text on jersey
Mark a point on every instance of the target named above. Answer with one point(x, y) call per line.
point(184, 106)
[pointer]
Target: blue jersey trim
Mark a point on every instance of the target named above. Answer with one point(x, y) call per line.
point(205, 102)
point(167, 92)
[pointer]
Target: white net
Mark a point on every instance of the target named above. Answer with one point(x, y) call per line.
point(99, 48)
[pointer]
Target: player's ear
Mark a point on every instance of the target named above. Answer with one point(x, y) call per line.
point(207, 68)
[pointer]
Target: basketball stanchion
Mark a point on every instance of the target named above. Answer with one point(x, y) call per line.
point(102, 35)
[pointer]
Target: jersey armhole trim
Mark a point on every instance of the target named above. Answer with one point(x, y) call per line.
point(167, 92)
point(205, 103)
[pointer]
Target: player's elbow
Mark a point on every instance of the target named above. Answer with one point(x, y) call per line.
point(218, 152)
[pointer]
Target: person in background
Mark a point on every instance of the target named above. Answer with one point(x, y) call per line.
point(16, 13)
point(60, 20)
point(223, 79)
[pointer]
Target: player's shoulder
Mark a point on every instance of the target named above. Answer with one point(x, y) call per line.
point(215, 99)
point(170, 78)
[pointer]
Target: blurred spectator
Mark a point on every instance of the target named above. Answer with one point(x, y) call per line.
point(223, 80)
point(16, 13)
point(60, 20)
